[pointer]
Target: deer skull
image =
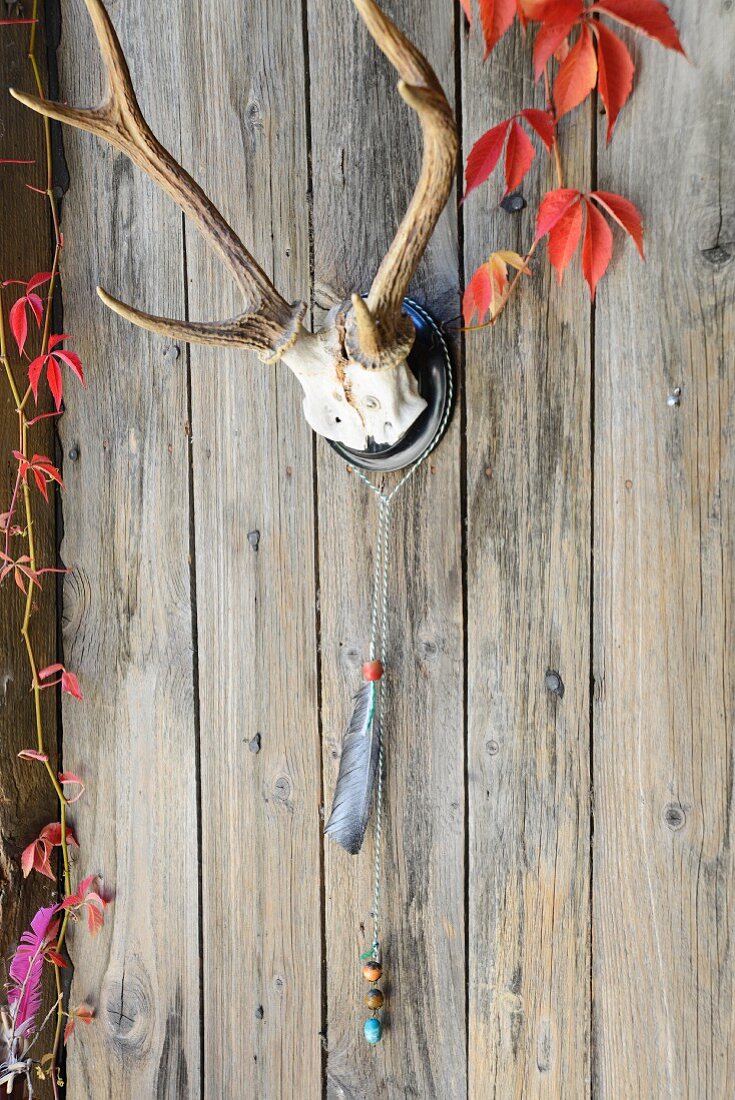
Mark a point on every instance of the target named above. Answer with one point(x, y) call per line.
point(357, 384)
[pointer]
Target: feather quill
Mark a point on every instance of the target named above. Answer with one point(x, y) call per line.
point(358, 767)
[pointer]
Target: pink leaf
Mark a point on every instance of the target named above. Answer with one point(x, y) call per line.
point(73, 780)
point(33, 754)
point(70, 685)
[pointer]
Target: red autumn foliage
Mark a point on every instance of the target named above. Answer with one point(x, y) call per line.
point(519, 153)
point(37, 856)
point(52, 360)
point(560, 217)
point(83, 1013)
point(68, 681)
point(88, 898)
point(18, 316)
point(43, 471)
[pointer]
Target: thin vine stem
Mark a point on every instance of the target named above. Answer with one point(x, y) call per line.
point(22, 489)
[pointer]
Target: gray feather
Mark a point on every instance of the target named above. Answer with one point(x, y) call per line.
point(358, 767)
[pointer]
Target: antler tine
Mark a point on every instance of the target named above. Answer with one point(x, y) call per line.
point(268, 324)
point(379, 335)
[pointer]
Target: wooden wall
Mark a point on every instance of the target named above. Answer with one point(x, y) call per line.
point(559, 876)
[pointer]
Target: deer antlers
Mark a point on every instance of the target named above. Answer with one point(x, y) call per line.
point(378, 333)
point(375, 333)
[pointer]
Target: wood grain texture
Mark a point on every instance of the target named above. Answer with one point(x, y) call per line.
point(528, 589)
point(127, 608)
point(361, 189)
point(244, 115)
point(222, 564)
point(664, 532)
point(26, 799)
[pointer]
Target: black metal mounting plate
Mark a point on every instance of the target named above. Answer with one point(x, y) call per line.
point(431, 365)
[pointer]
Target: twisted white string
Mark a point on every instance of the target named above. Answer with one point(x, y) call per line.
point(379, 619)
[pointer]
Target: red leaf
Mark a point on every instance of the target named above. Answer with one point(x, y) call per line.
point(552, 34)
point(34, 373)
point(577, 74)
point(49, 671)
point(616, 71)
point(467, 9)
point(70, 685)
point(596, 247)
point(649, 16)
point(496, 17)
point(74, 780)
point(72, 361)
point(564, 238)
point(625, 213)
point(484, 156)
point(552, 207)
point(57, 338)
point(37, 280)
point(41, 484)
point(52, 834)
point(518, 156)
point(478, 295)
point(32, 754)
point(543, 123)
point(53, 376)
point(19, 323)
point(37, 306)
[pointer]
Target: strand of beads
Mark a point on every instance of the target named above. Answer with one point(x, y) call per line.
point(372, 972)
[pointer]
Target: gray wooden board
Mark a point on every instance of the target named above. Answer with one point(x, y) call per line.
point(254, 540)
point(221, 589)
point(663, 608)
point(361, 189)
point(528, 584)
point(127, 606)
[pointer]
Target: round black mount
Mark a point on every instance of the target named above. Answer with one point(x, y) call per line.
point(430, 363)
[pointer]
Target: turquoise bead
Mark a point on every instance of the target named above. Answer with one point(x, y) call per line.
point(373, 1030)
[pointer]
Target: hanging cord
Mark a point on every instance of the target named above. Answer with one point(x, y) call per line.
point(379, 619)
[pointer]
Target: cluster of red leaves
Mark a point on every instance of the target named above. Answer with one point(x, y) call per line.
point(488, 287)
point(37, 856)
point(560, 218)
point(588, 55)
point(83, 1014)
point(89, 899)
point(67, 680)
point(53, 356)
point(519, 151)
point(598, 57)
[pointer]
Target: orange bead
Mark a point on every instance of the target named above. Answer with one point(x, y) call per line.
point(374, 999)
point(372, 670)
point(372, 971)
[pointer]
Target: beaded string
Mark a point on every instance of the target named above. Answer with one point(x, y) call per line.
point(372, 970)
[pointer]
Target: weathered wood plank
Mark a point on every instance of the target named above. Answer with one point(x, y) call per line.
point(664, 597)
point(244, 117)
point(27, 802)
point(366, 157)
point(127, 612)
point(528, 507)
